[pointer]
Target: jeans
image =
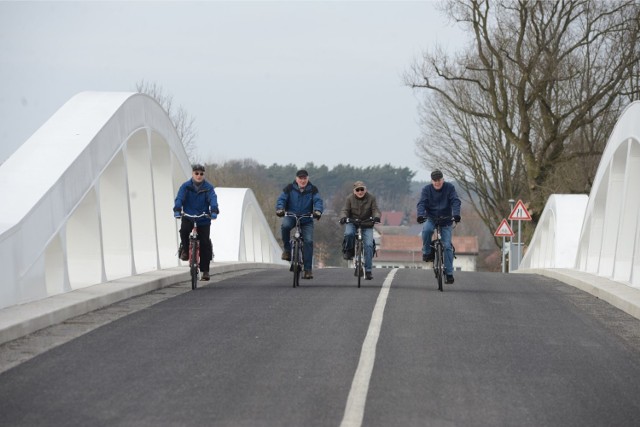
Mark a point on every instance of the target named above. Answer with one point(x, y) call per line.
point(289, 223)
point(206, 251)
point(367, 238)
point(427, 231)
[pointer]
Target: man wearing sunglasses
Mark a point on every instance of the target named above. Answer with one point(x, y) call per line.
point(300, 197)
point(360, 205)
point(438, 199)
point(195, 197)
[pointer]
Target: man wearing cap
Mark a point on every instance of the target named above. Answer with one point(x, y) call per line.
point(195, 197)
point(360, 205)
point(438, 199)
point(300, 197)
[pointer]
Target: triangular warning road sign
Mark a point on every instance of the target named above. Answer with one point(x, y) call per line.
point(520, 213)
point(504, 230)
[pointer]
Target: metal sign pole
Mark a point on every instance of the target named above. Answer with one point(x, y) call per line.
point(504, 267)
point(519, 237)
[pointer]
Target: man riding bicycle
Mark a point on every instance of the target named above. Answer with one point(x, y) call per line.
point(360, 205)
point(438, 199)
point(300, 197)
point(194, 197)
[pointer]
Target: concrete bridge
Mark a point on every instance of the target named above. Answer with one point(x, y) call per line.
point(593, 241)
point(89, 220)
point(88, 209)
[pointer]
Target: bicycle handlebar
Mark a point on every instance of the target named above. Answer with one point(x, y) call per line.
point(357, 222)
point(202, 215)
point(438, 219)
point(298, 216)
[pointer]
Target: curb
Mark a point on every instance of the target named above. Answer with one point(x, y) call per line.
point(619, 294)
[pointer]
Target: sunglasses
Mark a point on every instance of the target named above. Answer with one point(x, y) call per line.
point(359, 189)
point(199, 173)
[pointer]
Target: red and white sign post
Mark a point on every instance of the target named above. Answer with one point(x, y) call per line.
point(519, 213)
point(503, 231)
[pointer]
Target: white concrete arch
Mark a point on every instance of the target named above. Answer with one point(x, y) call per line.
point(87, 198)
point(608, 243)
point(555, 241)
point(241, 232)
point(610, 239)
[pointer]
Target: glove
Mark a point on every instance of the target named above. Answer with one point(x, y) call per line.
point(343, 220)
point(456, 218)
point(376, 219)
point(213, 215)
point(421, 219)
point(177, 214)
point(317, 215)
point(280, 212)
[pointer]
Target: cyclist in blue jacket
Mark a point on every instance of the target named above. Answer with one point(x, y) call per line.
point(300, 197)
point(438, 199)
point(195, 197)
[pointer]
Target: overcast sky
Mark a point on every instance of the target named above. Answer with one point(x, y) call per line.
point(278, 82)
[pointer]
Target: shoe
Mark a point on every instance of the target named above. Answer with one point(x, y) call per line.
point(286, 256)
point(205, 276)
point(428, 258)
point(347, 255)
point(307, 274)
point(184, 256)
point(368, 275)
point(449, 279)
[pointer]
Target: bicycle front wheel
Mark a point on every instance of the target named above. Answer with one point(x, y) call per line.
point(295, 263)
point(358, 261)
point(439, 265)
point(193, 264)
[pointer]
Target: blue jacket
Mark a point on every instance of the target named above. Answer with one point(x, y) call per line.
point(293, 200)
point(434, 203)
point(196, 202)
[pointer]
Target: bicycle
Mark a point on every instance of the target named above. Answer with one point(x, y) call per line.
point(194, 249)
point(437, 248)
point(297, 243)
point(358, 255)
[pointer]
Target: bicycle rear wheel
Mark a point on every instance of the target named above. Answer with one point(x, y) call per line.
point(193, 264)
point(295, 263)
point(439, 264)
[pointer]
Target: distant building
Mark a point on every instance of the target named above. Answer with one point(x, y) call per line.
point(391, 218)
point(405, 251)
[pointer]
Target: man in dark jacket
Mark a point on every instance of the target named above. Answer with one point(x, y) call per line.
point(360, 205)
point(439, 199)
point(195, 197)
point(300, 197)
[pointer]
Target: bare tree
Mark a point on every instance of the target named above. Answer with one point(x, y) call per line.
point(181, 119)
point(529, 103)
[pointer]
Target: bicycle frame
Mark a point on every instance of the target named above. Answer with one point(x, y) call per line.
point(438, 250)
point(358, 257)
point(297, 243)
point(194, 249)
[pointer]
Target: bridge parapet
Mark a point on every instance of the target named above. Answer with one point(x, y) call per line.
point(608, 244)
point(87, 199)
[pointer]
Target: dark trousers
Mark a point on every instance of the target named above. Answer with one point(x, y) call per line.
point(204, 231)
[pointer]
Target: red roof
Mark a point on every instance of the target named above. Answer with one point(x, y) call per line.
point(391, 218)
point(394, 247)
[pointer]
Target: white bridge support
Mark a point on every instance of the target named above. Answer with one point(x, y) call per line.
point(88, 199)
point(608, 244)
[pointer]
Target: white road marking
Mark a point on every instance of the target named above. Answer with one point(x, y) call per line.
point(354, 411)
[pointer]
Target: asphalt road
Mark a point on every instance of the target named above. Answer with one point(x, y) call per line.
point(492, 350)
